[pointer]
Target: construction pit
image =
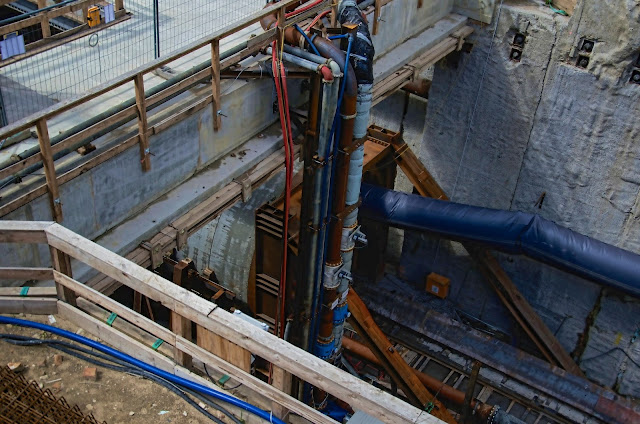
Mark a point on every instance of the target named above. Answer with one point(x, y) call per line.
point(392, 211)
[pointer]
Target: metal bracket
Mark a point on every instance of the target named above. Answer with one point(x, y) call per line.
point(156, 253)
point(342, 215)
point(245, 184)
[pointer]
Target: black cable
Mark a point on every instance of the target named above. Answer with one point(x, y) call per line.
point(73, 350)
point(214, 382)
point(611, 351)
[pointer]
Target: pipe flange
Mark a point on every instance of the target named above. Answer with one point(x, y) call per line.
point(492, 415)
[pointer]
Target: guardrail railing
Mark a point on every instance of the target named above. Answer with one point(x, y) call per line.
point(75, 297)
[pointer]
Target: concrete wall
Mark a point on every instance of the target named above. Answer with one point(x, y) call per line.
point(500, 133)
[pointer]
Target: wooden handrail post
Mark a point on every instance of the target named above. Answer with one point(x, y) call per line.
point(119, 5)
point(62, 263)
point(215, 84)
point(281, 381)
point(49, 169)
point(44, 22)
point(141, 105)
point(179, 324)
point(376, 16)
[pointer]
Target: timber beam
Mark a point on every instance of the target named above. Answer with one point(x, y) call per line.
point(520, 309)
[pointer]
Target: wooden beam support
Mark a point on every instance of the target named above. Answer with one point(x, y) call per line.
point(28, 305)
point(215, 84)
point(281, 380)
point(376, 16)
point(62, 263)
point(141, 109)
point(41, 274)
point(179, 324)
point(119, 5)
point(33, 291)
point(49, 169)
point(23, 231)
point(391, 360)
point(507, 291)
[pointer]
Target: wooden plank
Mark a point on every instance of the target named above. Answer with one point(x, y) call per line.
point(126, 114)
point(406, 378)
point(7, 273)
point(111, 305)
point(23, 231)
point(277, 351)
point(44, 22)
point(180, 325)
point(116, 339)
point(215, 84)
point(62, 263)
point(28, 305)
point(33, 291)
point(566, 5)
point(145, 154)
point(23, 200)
point(198, 76)
point(19, 166)
point(513, 300)
point(49, 169)
point(376, 17)
point(223, 349)
point(281, 380)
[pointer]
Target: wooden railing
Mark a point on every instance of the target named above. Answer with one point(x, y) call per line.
point(75, 299)
point(143, 104)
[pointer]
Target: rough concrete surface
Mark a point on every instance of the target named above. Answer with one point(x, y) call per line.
point(505, 134)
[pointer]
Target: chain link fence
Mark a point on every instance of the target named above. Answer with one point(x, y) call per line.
point(150, 28)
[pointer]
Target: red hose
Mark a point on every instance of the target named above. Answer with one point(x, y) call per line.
point(285, 123)
point(302, 9)
point(317, 18)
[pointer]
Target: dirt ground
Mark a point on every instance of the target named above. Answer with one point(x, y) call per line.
point(115, 397)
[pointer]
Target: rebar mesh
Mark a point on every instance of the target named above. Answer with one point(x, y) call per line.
point(151, 27)
point(23, 402)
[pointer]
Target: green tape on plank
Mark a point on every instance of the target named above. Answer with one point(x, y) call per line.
point(24, 291)
point(157, 344)
point(223, 379)
point(112, 318)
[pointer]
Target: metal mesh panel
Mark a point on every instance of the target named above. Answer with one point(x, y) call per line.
point(23, 402)
point(152, 27)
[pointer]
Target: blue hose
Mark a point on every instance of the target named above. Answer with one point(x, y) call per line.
point(160, 373)
point(306, 37)
point(336, 37)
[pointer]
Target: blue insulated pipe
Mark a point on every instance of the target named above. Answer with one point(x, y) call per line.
point(160, 373)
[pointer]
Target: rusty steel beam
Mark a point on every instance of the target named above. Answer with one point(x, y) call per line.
point(520, 309)
point(401, 373)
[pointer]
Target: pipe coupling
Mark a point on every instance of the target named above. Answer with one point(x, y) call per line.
point(351, 236)
point(332, 276)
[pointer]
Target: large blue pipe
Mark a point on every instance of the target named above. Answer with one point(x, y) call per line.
point(157, 371)
point(511, 232)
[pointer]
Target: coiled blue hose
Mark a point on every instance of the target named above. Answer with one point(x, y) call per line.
point(160, 373)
